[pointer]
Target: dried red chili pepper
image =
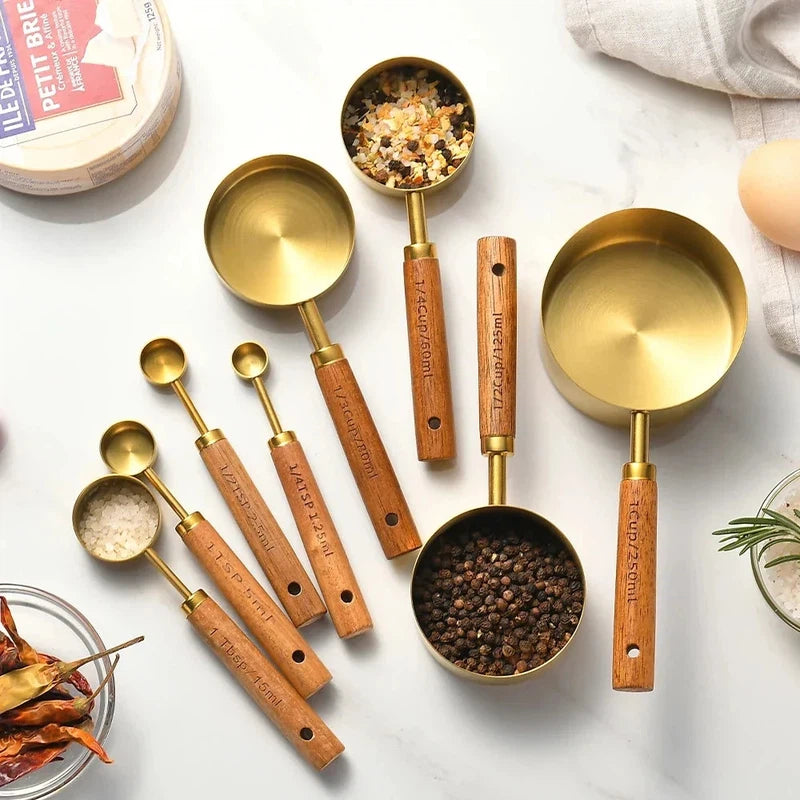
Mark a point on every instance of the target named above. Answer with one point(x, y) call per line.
point(9, 656)
point(44, 712)
point(77, 678)
point(13, 743)
point(15, 767)
point(27, 654)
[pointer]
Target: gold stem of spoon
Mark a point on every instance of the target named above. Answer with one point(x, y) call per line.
point(640, 437)
point(161, 488)
point(161, 566)
point(315, 327)
point(417, 224)
point(180, 390)
point(497, 479)
point(272, 415)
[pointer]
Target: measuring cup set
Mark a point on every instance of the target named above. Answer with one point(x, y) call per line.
point(643, 311)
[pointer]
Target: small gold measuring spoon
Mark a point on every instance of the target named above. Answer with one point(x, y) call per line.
point(129, 448)
point(320, 539)
point(163, 363)
point(291, 714)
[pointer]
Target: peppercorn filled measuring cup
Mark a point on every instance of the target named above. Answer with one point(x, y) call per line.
point(310, 511)
point(270, 690)
point(643, 313)
point(129, 448)
point(408, 125)
point(163, 363)
point(497, 378)
point(279, 231)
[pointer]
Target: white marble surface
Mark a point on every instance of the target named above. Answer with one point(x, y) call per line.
point(563, 138)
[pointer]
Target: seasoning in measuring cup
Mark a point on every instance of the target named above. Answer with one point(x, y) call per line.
point(408, 127)
point(118, 521)
point(497, 603)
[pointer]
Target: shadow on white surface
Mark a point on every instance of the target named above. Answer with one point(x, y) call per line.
point(119, 195)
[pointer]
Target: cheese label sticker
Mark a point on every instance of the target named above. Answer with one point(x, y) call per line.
point(44, 71)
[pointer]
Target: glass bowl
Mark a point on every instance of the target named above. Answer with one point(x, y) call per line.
point(783, 498)
point(53, 625)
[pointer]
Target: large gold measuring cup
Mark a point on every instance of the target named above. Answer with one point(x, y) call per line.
point(273, 694)
point(643, 312)
point(280, 231)
point(434, 421)
point(129, 448)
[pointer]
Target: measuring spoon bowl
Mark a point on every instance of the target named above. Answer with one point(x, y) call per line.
point(128, 448)
point(80, 510)
point(250, 360)
point(162, 361)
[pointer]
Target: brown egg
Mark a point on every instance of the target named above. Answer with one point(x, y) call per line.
point(769, 189)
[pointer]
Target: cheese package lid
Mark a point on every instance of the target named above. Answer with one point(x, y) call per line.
point(88, 88)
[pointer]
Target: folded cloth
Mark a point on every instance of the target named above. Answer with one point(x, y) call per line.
point(749, 49)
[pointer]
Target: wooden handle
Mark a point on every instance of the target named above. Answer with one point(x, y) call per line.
point(296, 720)
point(325, 550)
point(369, 462)
point(634, 653)
point(273, 630)
point(268, 542)
point(430, 367)
point(497, 336)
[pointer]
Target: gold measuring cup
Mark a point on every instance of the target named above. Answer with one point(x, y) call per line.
point(280, 231)
point(497, 385)
point(163, 363)
point(129, 448)
point(296, 720)
point(314, 523)
point(434, 421)
point(643, 313)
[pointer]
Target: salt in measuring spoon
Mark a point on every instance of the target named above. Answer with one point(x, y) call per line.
point(320, 538)
point(129, 448)
point(163, 363)
point(279, 701)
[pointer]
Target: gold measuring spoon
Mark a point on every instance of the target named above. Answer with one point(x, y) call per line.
point(497, 385)
point(320, 538)
point(279, 231)
point(434, 421)
point(296, 720)
point(643, 313)
point(163, 363)
point(128, 448)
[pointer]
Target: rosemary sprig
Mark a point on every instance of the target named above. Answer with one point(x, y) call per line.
point(764, 532)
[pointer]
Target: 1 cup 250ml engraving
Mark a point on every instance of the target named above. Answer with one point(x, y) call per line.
point(632, 544)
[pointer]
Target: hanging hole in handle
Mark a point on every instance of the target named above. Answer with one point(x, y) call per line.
point(434, 423)
point(392, 519)
point(306, 734)
point(298, 656)
point(294, 588)
point(632, 651)
point(347, 596)
point(498, 269)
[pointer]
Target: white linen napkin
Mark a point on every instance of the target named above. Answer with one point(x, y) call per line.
point(749, 49)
